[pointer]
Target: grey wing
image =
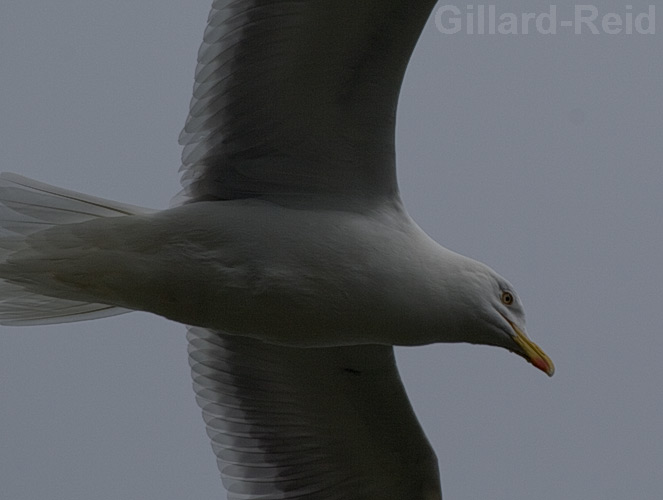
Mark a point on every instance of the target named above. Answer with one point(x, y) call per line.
point(295, 99)
point(315, 424)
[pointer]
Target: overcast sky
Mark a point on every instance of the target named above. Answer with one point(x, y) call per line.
point(540, 155)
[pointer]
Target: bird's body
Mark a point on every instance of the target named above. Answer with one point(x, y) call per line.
point(289, 255)
point(300, 277)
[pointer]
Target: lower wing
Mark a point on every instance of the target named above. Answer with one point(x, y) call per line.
point(315, 424)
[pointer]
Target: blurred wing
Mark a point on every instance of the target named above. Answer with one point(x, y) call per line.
point(294, 98)
point(314, 424)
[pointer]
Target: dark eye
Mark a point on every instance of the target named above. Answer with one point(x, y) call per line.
point(507, 298)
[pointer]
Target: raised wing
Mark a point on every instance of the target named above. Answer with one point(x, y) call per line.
point(314, 424)
point(297, 98)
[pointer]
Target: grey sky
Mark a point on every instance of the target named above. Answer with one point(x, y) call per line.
point(539, 155)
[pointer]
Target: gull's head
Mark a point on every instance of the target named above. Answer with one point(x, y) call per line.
point(497, 316)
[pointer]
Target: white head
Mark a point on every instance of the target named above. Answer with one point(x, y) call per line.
point(491, 313)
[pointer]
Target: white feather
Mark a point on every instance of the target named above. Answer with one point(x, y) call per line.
point(28, 207)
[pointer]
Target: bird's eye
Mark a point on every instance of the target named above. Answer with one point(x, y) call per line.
point(507, 298)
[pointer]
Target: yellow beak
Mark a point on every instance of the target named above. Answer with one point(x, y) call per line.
point(533, 353)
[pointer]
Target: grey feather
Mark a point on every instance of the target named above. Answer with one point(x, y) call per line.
point(315, 424)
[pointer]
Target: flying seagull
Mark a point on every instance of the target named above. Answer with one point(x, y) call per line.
point(288, 254)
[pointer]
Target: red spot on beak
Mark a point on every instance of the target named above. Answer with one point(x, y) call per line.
point(543, 365)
